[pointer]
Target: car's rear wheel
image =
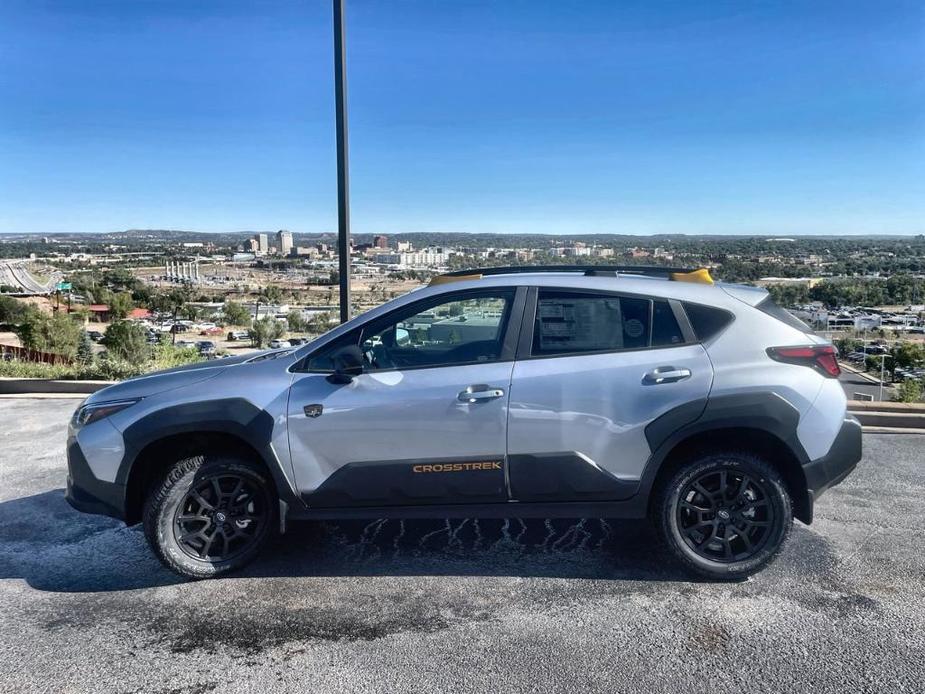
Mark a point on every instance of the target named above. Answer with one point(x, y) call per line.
point(725, 515)
point(210, 515)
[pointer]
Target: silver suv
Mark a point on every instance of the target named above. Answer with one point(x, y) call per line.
point(514, 392)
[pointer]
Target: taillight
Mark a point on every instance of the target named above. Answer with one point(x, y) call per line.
point(819, 357)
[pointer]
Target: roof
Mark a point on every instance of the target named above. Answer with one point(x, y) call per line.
point(98, 308)
point(137, 313)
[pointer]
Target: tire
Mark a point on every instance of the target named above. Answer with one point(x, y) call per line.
point(211, 514)
point(725, 516)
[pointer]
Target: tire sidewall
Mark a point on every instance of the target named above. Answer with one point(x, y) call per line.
point(165, 510)
point(779, 501)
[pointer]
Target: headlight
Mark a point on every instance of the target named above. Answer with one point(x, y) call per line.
point(87, 414)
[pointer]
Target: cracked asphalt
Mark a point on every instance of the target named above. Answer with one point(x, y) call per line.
point(461, 606)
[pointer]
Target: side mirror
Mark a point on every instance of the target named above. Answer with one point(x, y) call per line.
point(348, 363)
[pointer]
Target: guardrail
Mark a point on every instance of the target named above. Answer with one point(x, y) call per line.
point(892, 415)
point(44, 386)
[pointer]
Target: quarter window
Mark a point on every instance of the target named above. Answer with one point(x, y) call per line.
point(570, 323)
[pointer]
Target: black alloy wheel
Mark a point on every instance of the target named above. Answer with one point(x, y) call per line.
point(221, 517)
point(725, 515)
point(211, 514)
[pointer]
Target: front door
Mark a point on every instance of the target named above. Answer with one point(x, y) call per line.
point(598, 369)
point(426, 421)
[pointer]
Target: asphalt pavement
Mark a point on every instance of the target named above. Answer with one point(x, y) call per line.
point(854, 383)
point(461, 606)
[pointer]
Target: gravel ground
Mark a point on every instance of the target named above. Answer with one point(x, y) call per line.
point(465, 606)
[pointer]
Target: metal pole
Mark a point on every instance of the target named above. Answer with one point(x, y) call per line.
point(882, 360)
point(343, 196)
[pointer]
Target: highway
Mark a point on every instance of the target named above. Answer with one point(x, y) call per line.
point(15, 274)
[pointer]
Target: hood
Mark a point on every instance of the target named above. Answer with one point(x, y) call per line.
point(178, 376)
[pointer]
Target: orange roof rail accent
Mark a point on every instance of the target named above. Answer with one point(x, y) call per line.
point(446, 279)
point(701, 276)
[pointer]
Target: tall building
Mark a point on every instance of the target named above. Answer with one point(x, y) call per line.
point(284, 241)
point(263, 243)
point(381, 242)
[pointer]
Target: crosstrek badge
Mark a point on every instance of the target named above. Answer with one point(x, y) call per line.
point(457, 467)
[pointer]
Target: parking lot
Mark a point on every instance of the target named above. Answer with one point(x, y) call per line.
point(461, 606)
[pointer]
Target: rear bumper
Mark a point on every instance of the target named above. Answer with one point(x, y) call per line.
point(88, 494)
point(825, 472)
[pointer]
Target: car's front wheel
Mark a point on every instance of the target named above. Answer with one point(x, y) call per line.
point(725, 515)
point(210, 515)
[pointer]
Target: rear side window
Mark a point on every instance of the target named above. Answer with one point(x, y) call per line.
point(706, 321)
point(665, 328)
point(570, 323)
point(783, 315)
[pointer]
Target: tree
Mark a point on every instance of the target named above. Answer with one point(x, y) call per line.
point(13, 311)
point(120, 305)
point(296, 322)
point(128, 341)
point(57, 333)
point(189, 312)
point(908, 354)
point(265, 330)
point(84, 349)
point(909, 391)
point(236, 314)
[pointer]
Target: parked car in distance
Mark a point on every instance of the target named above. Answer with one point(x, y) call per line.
point(214, 330)
point(297, 341)
point(205, 347)
point(569, 392)
point(236, 335)
point(95, 335)
point(279, 344)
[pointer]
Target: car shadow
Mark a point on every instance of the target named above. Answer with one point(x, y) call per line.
point(53, 547)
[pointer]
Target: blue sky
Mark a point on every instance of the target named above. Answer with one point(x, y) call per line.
point(522, 116)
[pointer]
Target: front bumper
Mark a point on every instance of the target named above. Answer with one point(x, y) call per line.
point(88, 494)
point(825, 472)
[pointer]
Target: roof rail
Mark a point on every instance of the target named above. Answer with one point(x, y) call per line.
point(700, 275)
point(589, 270)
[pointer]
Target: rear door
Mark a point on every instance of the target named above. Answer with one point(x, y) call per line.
point(426, 421)
point(593, 370)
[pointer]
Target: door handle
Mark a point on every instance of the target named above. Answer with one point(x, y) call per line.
point(665, 374)
point(479, 392)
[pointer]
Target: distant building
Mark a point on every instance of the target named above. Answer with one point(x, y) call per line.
point(405, 246)
point(381, 242)
point(251, 246)
point(284, 241)
point(263, 243)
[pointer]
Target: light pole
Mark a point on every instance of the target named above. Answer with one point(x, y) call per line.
point(343, 195)
point(882, 360)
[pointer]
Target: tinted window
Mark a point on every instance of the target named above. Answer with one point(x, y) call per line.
point(706, 320)
point(784, 316)
point(665, 328)
point(465, 330)
point(462, 331)
point(324, 360)
point(572, 322)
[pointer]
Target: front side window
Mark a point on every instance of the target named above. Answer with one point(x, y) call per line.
point(468, 329)
point(570, 323)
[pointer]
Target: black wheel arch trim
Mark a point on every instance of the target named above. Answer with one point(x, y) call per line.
point(236, 417)
point(766, 412)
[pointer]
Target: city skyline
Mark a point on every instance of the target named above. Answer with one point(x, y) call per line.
point(475, 117)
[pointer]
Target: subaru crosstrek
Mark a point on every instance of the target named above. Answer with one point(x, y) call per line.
point(553, 392)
